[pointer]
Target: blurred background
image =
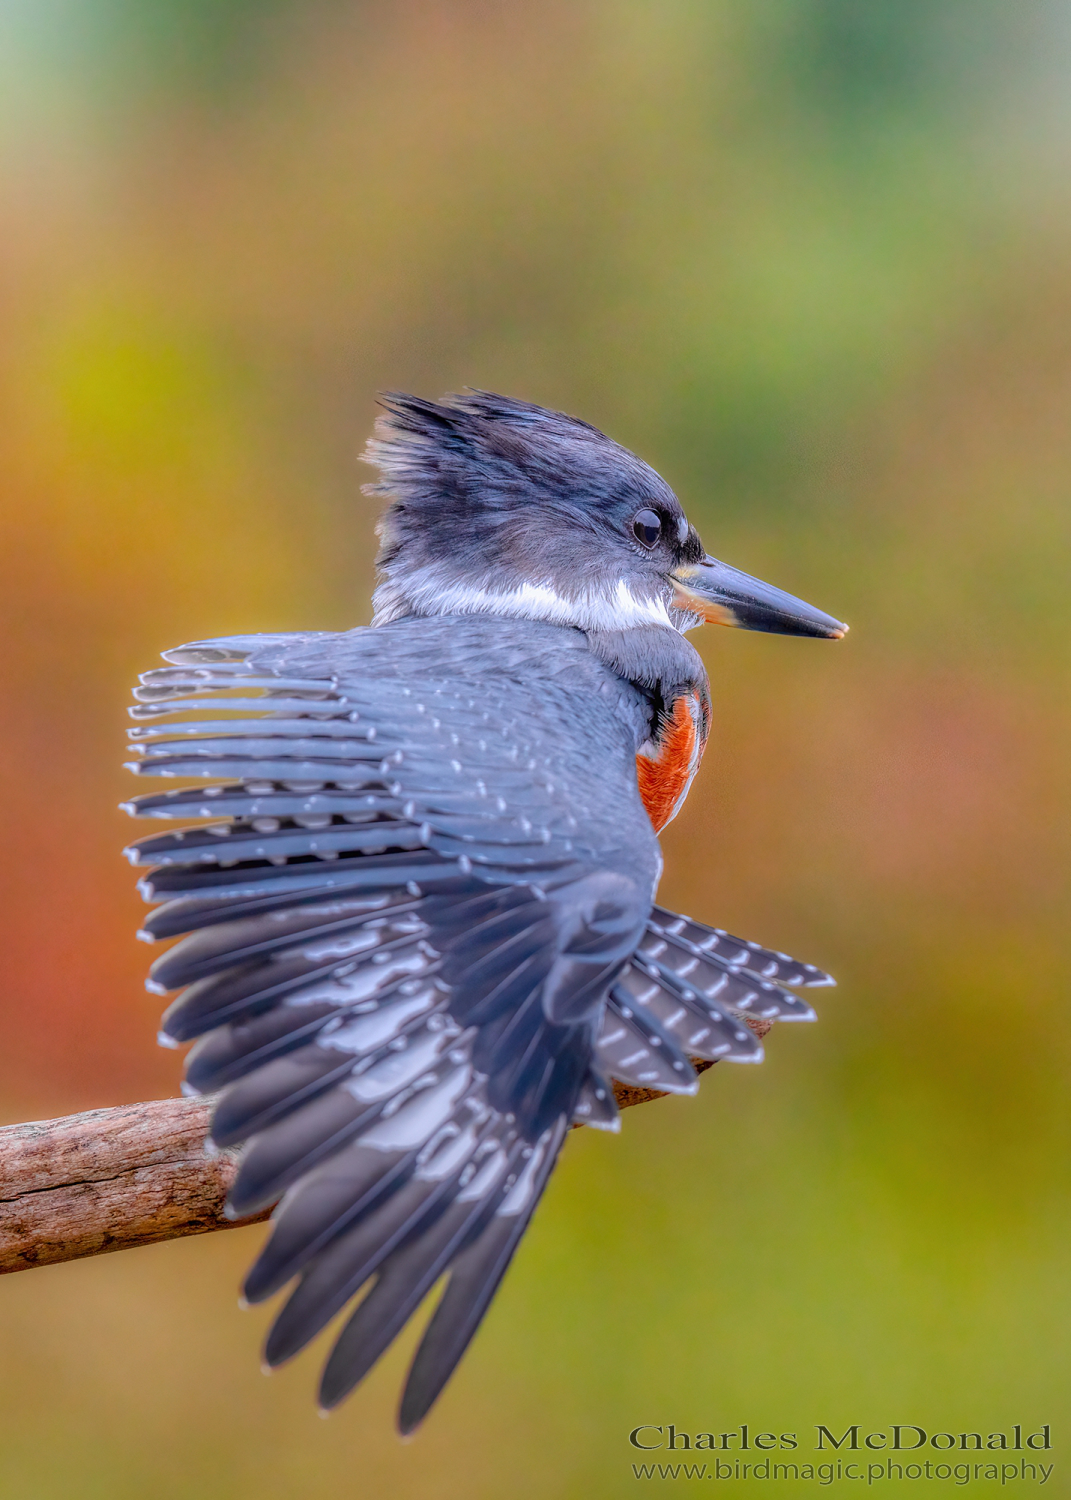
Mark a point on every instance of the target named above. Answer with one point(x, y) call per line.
point(811, 259)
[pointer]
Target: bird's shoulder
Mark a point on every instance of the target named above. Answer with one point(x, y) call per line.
point(471, 646)
point(547, 674)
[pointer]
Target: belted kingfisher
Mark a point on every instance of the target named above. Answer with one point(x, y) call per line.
point(422, 930)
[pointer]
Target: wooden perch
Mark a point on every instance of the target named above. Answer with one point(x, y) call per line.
point(111, 1179)
point(108, 1179)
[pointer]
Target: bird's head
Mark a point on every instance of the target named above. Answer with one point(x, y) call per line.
point(500, 507)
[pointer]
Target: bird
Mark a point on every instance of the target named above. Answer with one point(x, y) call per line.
point(415, 889)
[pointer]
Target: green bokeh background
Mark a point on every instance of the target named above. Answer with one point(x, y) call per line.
point(812, 259)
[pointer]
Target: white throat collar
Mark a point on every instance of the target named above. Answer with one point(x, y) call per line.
point(426, 592)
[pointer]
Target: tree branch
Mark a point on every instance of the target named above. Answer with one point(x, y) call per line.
point(108, 1179)
point(111, 1179)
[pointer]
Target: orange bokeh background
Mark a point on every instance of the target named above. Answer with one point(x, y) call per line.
point(811, 260)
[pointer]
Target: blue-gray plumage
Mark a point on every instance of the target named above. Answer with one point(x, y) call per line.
point(421, 937)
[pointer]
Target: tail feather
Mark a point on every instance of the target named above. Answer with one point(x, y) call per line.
point(596, 1105)
point(764, 963)
point(714, 984)
point(634, 1052)
point(697, 1028)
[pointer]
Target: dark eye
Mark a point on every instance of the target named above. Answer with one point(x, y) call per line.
point(647, 527)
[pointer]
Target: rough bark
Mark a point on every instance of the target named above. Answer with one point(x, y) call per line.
point(106, 1180)
point(111, 1179)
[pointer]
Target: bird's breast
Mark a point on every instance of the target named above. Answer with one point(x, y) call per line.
point(667, 763)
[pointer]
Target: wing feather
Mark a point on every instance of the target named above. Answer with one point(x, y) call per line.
point(407, 960)
point(474, 1279)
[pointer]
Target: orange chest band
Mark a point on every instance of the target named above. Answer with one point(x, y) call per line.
point(665, 776)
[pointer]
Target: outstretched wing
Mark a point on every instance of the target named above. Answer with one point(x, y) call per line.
point(400, 939)
point(419, 941)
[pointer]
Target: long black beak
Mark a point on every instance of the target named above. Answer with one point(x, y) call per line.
point(722, 595)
